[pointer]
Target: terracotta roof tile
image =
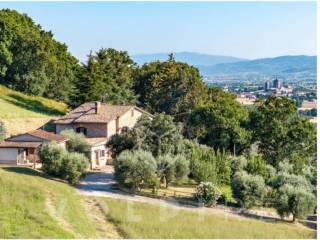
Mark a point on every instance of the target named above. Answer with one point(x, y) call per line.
point(9, 144)
point(86, 113)
point(47, 135)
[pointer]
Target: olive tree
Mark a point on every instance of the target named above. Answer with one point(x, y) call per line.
point(135, 169)
point(248, 189)
point(171, 168)
point(76, 142)
point(293, 200)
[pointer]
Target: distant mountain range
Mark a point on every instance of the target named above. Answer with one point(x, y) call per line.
point(191, 58)
point(278, 65)
point(216, 65)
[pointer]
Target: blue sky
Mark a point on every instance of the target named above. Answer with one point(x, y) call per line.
point(249, 30)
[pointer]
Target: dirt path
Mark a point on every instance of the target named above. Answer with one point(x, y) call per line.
point(99, 184)
point(97, 215)
point(55, 214)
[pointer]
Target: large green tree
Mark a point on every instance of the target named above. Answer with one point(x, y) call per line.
point(160, 135)
point(31, 60)
point(107, 76)
point(281, 134)
point(220, 123)
point(171, 87)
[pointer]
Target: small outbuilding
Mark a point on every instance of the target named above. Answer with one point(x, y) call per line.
point(23, 149)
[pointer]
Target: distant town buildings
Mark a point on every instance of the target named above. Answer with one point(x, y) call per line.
point(266, 85)
point(276, 84)
point(308, 105)
point(246, 99)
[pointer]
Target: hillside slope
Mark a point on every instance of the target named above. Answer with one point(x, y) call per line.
point(32, 206)
point(22, 113)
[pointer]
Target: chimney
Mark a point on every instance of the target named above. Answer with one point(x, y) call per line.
point(97, 107)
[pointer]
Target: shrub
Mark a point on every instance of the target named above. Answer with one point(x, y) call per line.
point(294, 200)
point(207, 193)
point(51, 156)
point(248, 189)
point(202, 162)
point(73, 167)
point(135, 169)
point(172, 168)
point(181, 167)
point(58, 162)
point(77, 142)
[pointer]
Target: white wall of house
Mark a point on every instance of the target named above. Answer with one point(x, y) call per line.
point(129, 119)
point(102, 161)
point(8, 155)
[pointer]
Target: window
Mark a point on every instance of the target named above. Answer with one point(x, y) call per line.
point(102, 153)
point(81, 130)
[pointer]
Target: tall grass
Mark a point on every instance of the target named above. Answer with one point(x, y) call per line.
point(141, 220)
point(34, 207)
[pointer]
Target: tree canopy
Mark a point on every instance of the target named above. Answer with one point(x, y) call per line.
point(281, 134)
point(31, 61)
point(220, 123)
point(171, 87)
point(107, 76)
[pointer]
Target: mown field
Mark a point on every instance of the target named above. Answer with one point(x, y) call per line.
point(32, 206)
point(22, 113)
point(141, 220)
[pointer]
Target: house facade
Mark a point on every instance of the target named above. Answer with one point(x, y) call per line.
point(98, 122)
point(23, 149)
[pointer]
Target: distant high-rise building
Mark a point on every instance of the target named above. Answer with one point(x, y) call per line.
point(276, 83)
point(266, 85)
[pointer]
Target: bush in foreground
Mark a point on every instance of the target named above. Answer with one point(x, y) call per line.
point(207, 193)
point(135, 169)
point(51, 157)
point(248, 189)
point(73, 167)
point(172, 168)
point(58, 162)
point(294, 200)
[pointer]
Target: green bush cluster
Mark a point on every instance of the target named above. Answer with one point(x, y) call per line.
point(138, 168)
point(207, 193)
point(57, 162)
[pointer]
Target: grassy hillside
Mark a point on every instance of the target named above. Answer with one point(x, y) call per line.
point(22, 113)
point(141, 220)
point(35, 207)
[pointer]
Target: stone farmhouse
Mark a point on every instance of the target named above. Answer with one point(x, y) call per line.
point(23, 149)
point(97, 121)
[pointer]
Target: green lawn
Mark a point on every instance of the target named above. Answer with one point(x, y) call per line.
point(141, 220)
point(14, 104)
point(35, 207)
point(21, 113)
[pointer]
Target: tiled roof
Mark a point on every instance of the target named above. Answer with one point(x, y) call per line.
point(39, 133)
point(86, 113)
point(9, 144)
point(96, 141)
point(47, 135)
